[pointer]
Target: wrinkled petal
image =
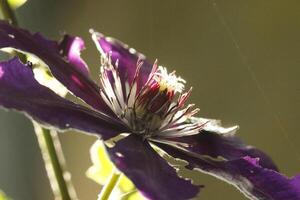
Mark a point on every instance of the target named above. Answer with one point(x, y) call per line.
point(215, 126)
point(71, 48)
point(48, 51)
point(20, 91)
point(266, 183)
point(245, 173)
point(127, 58)
point(222, 143)
point(150, 173)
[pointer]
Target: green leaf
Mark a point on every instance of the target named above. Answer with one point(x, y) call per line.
point(3, 196)
point(14, 4)
point(101, 170)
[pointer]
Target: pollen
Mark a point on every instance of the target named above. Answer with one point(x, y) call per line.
point(168, 81)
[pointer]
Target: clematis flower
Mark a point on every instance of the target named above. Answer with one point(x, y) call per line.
point(144, 101)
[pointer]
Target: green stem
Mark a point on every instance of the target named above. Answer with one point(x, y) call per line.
point(110, 185)
point(60, 178)
point(8, 13)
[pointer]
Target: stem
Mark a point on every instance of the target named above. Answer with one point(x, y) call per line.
point(59, 177)
point(127, 195)
point(110, 185)
point(8, 13)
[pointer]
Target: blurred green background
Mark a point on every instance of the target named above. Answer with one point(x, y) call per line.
point(242, 57)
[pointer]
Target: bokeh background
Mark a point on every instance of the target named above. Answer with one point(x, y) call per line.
point(242, 57)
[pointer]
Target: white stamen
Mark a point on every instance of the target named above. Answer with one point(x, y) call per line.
point(131, 103)
point(169, 80)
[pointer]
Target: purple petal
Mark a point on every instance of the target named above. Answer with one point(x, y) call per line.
point(71, 47)
point(20, 91)
point(150, 173)
point(127, 58)
point(267, 183)
point(226, 145)
point(48, 51)
point(244, 173)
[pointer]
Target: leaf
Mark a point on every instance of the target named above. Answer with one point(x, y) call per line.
point(102, 168)
point(14, 4)
point(3, 196)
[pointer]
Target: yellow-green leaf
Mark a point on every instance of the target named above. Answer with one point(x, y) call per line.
point(16, 3)
point(3, 196)
point(102, 168)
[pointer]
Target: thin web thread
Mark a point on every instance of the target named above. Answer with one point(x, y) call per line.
point(246, 64)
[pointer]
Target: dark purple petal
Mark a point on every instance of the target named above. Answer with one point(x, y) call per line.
point(225, 145)
point(127, 58)
point(245, 173)
point(20, 91)
point(48, 51)
point(150, 173)
point(71, 47)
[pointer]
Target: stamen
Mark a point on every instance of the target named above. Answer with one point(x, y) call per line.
point(150, 110)
point(168, 81)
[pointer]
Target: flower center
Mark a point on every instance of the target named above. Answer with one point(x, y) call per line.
point(151, 108)
point(157, 95)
